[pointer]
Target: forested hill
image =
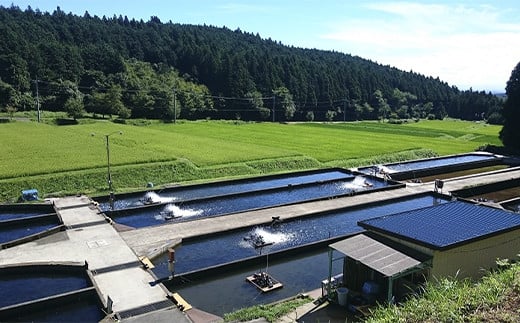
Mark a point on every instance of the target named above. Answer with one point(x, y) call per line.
point(165, 70)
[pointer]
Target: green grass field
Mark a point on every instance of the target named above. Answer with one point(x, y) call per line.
point(72, 159)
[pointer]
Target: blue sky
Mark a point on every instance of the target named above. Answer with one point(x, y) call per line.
point(465, 43)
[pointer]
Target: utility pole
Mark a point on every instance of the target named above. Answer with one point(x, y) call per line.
point(109, 175)
point(344, 109)
point(274, 103)
point(174, 106)
point(37, 100)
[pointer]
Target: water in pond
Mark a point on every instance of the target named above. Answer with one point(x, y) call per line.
point(224, 188)
point(236, 245)
point(228, 292)
point(20, 230)
point(429, 163)
point(18, 288)
point(189, 210)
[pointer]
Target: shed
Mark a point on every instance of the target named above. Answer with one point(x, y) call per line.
point(462, 238)
point(391, 262)
point(30, 194)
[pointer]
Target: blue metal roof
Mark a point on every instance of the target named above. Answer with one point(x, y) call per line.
point(446, 225)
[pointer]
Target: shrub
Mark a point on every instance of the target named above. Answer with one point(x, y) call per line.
point(496, 118)
point(395, 121)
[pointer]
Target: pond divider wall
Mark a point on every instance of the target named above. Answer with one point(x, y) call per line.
point(413, 174)
point(30, 219)
point(48, 267)
point(42, 208)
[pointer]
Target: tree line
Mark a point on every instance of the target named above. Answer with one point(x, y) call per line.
point(137, 69)
point(510, 133)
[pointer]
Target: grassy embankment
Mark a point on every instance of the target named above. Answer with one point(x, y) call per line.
point(494, 298)
point(61, 160)
point(270, 312)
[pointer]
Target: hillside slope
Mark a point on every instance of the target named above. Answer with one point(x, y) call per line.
point(244, 73)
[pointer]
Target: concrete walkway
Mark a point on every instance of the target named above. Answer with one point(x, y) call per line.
point(116, 269)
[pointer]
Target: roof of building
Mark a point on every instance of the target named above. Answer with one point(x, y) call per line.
point(445, 225)
point(376, 255)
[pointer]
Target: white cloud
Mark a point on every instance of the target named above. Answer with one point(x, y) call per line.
point(465, 46)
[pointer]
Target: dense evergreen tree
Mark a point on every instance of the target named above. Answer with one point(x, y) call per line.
point(510, 133)
point(165, 70)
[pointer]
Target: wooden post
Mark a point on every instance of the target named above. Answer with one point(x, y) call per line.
point(171, 262)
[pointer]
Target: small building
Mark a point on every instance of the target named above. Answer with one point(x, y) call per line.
point(456, 239)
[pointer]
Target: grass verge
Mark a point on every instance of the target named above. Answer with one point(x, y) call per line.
point(494, 298)
point(270, 312)
point(72, 159)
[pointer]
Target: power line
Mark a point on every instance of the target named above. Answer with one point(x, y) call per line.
point(216, 97)
point(55, 88)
